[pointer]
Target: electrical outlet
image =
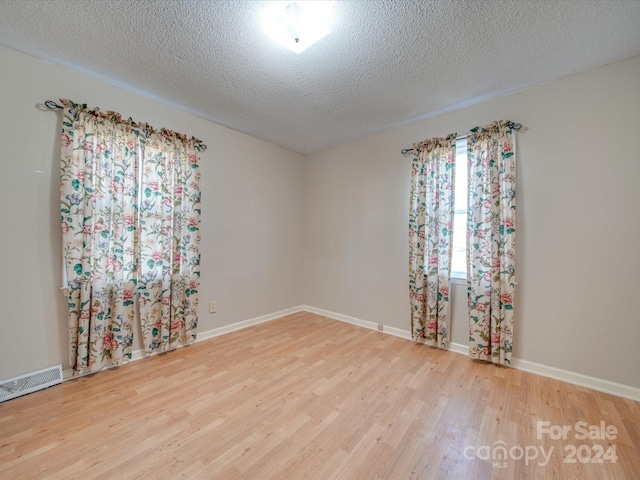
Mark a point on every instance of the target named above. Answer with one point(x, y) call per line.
point(213, 306)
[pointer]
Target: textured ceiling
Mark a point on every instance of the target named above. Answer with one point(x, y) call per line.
point(386, 62)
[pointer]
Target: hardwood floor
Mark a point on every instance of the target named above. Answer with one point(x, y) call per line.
point(309, 397)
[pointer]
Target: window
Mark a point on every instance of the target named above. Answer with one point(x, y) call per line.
point(458, 258)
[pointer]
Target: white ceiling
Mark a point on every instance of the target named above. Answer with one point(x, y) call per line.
point(385, 64)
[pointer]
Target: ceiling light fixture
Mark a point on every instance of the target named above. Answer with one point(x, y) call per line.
point(297, 25)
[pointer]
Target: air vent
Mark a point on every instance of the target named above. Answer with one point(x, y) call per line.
point(31, 382)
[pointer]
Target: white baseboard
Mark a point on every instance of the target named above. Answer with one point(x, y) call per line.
point(459, 348)
point(594, 383)
point(397, 332)
point(247, 323)
point(346, 319)
point(215, 332)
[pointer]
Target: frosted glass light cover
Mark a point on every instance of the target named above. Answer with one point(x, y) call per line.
point(297, 25)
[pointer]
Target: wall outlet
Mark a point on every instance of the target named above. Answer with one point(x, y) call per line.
point(213, 306)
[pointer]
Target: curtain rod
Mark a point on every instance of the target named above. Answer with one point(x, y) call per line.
point(515, 126)
point(51, 105)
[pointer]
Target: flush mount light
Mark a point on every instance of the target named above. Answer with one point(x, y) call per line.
point(297, 25)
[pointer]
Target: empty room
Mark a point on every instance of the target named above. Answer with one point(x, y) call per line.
point(357, 239)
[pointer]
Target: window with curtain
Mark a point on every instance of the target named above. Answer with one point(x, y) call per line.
point(130, 215)
point(462, 223)
point(459, 253)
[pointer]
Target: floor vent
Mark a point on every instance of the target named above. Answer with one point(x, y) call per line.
point(31, 382)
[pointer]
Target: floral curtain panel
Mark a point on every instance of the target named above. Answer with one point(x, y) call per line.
point(98, 186)
point(130, 210)
point(430, 239)
point(169, 232)
point(491, 238)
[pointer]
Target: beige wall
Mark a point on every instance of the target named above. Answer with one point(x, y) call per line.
point(251, 212)
point(341, 217)
point(578, 223)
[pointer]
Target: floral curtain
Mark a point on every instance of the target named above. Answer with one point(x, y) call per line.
point(491, 232)
point(430, 239)
point(98, 187)
point(169, 233)
point(130, 211)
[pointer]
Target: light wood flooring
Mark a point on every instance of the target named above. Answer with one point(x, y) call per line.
point(309, 397)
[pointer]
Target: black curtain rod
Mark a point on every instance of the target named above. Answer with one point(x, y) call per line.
point(51, 105)
point(515, 126)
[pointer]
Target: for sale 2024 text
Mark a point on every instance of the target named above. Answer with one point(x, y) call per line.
point(583, 453)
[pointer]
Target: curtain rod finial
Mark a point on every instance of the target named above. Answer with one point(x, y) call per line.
point(51, 105)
